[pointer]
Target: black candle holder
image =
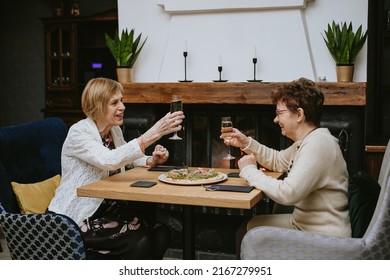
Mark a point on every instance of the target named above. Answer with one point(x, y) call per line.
point(220, 75)
point(254, 60)
point(185, 54)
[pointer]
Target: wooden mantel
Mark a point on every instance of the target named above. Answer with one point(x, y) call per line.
point(337, 94)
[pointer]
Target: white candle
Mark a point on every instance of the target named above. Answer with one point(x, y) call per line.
point(254, 52)
point(219, 60)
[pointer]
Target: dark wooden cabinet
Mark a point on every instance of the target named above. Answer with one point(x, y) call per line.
point(75, 52)
point(373, 160)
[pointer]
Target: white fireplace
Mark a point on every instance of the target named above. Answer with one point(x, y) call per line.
point(284, 35)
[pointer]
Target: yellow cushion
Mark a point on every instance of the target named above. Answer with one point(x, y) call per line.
point(35, 198)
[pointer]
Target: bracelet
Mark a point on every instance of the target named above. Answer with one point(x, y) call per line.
point(142, 145)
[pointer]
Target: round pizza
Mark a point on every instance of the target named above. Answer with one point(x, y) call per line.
point(196, 176)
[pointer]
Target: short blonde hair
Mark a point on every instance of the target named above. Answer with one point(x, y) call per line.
point(96, 96)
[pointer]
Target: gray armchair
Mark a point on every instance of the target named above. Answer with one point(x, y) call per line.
point(280, 243)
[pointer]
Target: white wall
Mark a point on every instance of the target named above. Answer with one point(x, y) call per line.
point(286, 33)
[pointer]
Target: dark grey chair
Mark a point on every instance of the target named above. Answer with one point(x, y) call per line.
point(280, 243)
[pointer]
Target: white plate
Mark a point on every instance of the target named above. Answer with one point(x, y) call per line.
point(193, 183)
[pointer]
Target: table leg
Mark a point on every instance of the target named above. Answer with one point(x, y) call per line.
point(188, 233)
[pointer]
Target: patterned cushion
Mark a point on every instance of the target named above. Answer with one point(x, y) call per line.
point(42, 237)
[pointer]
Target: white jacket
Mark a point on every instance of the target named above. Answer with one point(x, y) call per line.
point(84, 160)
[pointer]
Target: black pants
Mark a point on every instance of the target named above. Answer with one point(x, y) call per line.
point(125, 230)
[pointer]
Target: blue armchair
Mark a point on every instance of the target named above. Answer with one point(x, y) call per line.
point(31, 153)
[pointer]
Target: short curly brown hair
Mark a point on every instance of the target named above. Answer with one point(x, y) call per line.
point(301, 93)
point(96, 96)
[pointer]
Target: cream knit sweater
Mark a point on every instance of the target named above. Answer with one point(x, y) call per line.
point(316, 182)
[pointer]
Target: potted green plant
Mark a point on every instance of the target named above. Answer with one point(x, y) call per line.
point(344, 45)
point(125, 50)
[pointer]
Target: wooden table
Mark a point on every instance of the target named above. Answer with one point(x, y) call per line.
point(118, 187)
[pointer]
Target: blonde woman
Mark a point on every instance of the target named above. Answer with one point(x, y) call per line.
point(95, 149)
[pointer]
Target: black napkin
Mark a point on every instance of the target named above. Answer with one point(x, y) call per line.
point(164, 168)
point(230, 188)
point(234, 175)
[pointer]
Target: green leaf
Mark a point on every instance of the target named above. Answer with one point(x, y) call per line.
point(124, 49)
point(343, 43)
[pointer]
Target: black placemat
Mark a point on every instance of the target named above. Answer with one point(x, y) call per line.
point(230, 188)
point(164, 168)
point(234, 175)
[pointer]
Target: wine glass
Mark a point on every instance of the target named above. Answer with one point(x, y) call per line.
point(176, 105)
point(226, 130)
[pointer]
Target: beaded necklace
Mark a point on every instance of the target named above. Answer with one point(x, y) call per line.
point(107, 141)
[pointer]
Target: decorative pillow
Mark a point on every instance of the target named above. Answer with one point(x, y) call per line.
point(35, 198)
point(363, 193)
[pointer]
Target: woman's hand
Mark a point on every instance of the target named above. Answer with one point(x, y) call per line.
point(247, 160)
point(159, 156)
point(168, 124)
point(238, 139)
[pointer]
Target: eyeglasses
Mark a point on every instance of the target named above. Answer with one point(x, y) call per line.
point(279, 112)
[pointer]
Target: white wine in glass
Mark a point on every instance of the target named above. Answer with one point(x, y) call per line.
point(176, 105)
point(226, 130)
